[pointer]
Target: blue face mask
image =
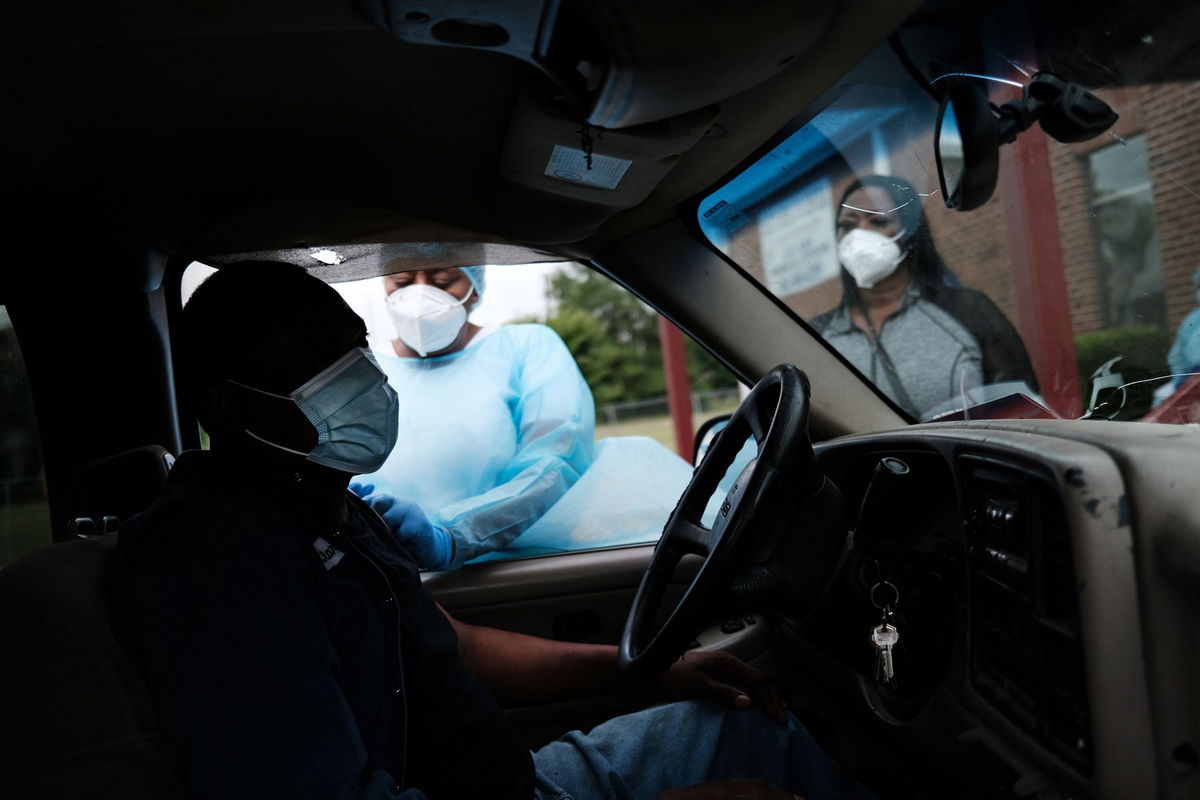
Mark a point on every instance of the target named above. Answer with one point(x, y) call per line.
point(355, 412)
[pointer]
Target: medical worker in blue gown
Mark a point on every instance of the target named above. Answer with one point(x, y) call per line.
point(495, 423)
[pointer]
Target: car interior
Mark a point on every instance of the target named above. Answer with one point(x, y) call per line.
point(1042, 574)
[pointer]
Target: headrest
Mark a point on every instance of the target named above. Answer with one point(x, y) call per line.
point(123, 484)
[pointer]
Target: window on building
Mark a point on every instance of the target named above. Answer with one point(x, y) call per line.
point(1122, 206)
point(24, 510)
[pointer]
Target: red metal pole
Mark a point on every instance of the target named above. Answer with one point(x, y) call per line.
point(1039, 277)
point(679, 386)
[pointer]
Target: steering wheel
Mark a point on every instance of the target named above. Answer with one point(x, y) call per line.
point(753, 551)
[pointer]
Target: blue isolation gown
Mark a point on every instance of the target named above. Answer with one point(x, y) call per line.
point(1184, 355)
point(491, 436)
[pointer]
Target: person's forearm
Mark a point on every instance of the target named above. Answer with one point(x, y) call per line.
point(525, 670)
point(493, 520)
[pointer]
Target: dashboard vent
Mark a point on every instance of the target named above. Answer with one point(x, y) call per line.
point(1026, 653)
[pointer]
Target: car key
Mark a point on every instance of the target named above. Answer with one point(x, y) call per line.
point(884, 637)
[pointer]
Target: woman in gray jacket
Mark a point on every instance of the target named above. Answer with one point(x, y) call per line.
point(904, 320)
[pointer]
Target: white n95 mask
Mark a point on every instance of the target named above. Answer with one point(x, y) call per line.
point(355, 412)
point(868, 256)
point(427, 318)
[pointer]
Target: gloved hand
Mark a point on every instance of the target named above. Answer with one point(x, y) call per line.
point(363, 490)
point(431, 545)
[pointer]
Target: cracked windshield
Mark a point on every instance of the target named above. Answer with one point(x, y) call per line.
point(1071, 291)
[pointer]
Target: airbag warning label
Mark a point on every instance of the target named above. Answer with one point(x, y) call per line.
point(570, 165)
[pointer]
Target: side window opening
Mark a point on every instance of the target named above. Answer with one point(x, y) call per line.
point(640, 434)
point(24, 508)
point(192, 277)
point(639, 426)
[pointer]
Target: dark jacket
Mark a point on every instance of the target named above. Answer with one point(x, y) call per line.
point(289, 657)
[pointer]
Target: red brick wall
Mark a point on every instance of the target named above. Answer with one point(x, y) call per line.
point(1169, 116)
point(975, 248)
point(1171, 113)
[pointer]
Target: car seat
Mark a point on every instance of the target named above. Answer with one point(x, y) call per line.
point(78, 720)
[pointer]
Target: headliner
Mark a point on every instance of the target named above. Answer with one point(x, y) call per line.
point(220, 128)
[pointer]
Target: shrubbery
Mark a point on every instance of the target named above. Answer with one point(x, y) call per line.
point(614, 338)
point(1143, 351)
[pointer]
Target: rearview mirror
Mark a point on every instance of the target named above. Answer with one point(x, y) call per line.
point(966, 147)
point(970, 130)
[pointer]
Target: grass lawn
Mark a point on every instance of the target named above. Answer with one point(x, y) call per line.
point(660, 428)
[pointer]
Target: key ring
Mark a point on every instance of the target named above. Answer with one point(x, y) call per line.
point(886, 605)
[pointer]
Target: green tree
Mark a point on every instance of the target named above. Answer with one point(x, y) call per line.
point(614, 337)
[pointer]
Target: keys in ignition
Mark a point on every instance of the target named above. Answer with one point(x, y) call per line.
point(884, 637)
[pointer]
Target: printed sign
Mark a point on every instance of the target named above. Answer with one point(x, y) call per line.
point(797, 239)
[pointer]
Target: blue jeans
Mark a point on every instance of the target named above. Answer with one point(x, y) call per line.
point(635, 757)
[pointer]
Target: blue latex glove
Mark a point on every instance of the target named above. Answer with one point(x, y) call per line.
point(363, 490)
point(472, 480)
point(431, 545)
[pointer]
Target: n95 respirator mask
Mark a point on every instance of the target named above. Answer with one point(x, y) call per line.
point(868, 256)
point(427, 318)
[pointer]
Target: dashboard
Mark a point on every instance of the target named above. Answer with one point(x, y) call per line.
point(1029, 657)
point(1048, 575)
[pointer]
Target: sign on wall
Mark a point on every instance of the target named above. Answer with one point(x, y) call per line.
point(797, 239)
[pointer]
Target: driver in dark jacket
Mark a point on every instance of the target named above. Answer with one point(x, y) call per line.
point(290, 648)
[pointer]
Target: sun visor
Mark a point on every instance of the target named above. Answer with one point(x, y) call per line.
point(624, 63)
point(668, 58)
point(560, 179)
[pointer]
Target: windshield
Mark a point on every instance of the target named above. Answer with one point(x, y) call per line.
point(1073, 292)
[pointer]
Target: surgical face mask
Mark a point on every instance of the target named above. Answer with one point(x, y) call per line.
point(355, 412)
point(868, 256)
point(427, 318)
